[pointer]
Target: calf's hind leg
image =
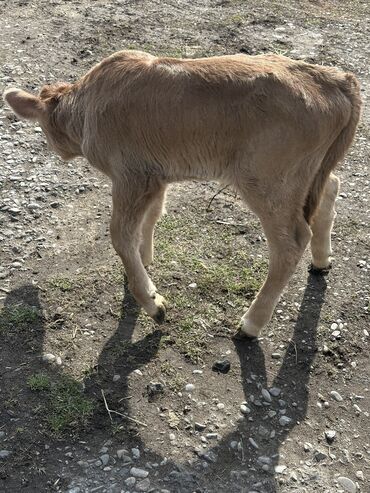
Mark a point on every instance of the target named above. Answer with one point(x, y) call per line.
point(287, 237)
point(322, 225)
point(129, 207)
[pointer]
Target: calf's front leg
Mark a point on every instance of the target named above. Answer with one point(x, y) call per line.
point(129, 207)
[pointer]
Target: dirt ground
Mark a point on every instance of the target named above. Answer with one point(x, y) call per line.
point(74, 344)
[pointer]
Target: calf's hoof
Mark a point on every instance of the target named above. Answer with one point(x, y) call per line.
point(319, 271)
point(248, 329)
point(160, 316)
point(160, 313)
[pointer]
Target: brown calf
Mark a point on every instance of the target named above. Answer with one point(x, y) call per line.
point(272, 128)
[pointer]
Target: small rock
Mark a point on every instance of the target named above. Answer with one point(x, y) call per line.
point(138, 372)
point(122, 453)
point(334, 326)
point(130, 481)
point(307, 446)
point(193, 285)
point(104, 459)
point(135, 453)
point(330, 436)
point(197, 372)
point(266, 395)
point(2, 434)
point(199, 426)
point(220, 406)
point(253, 443)
point(360, 475)
point(275, 391)
point(4, 454)
point(154, 389)
point(221, 366)
point(138, 473)
point(347, 484)
point(280, 469)
point(336, 396)
point(189, 387)
point(116, 378)
point(244, 409)
point(285, 420)
point(319, 456)
point(143, 485)
point(76, 489)
point(276, 356)
point(48, 357)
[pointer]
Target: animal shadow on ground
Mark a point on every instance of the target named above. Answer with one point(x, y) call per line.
point(239, 467)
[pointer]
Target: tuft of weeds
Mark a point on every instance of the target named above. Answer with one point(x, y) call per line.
point(39, 381)
point(174, 380)
point(18, 316)
point(62, 283)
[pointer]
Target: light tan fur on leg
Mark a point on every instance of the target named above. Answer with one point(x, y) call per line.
point(322, 225)
point(127, 216)
point(153, 213)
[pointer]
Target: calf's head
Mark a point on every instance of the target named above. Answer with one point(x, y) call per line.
point(53, 111)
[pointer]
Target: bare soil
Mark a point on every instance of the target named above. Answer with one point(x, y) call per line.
point(74, 343)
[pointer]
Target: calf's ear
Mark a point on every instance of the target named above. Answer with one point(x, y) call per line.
point(24, 104)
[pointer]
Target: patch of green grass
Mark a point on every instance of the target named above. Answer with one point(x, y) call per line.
point(62, 283)
point(18, 316)
point(39, 381)
point(68, 407)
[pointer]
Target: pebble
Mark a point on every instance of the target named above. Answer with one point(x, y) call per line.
point(2, 434)
point(319, 456)
point(336, 396)
point(244, 409)
point(330, 436)
point(138, 372)
point(276, 355)
point(266, 395)
point(197, 372)
point(4, 454)
point(122, 453)
point(220, 406)
point(275, 391)
point(193, 285)
point(347, 484)
point(360, 475)
point(253, 443)
point(285, 420)
point(199, 426)
point(143, 485)
point(48, 357)
point(280, 469)
point(130, 481)
point(139, 473)
point(135, 453)
point(104, 459)
point(116, 378)
point(189, 387)
point(154, 389)
point(221, 366)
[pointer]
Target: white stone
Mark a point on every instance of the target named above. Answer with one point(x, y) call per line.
point(189, 387)
point(336, 396)
point(139, 473)
point(347, 484)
